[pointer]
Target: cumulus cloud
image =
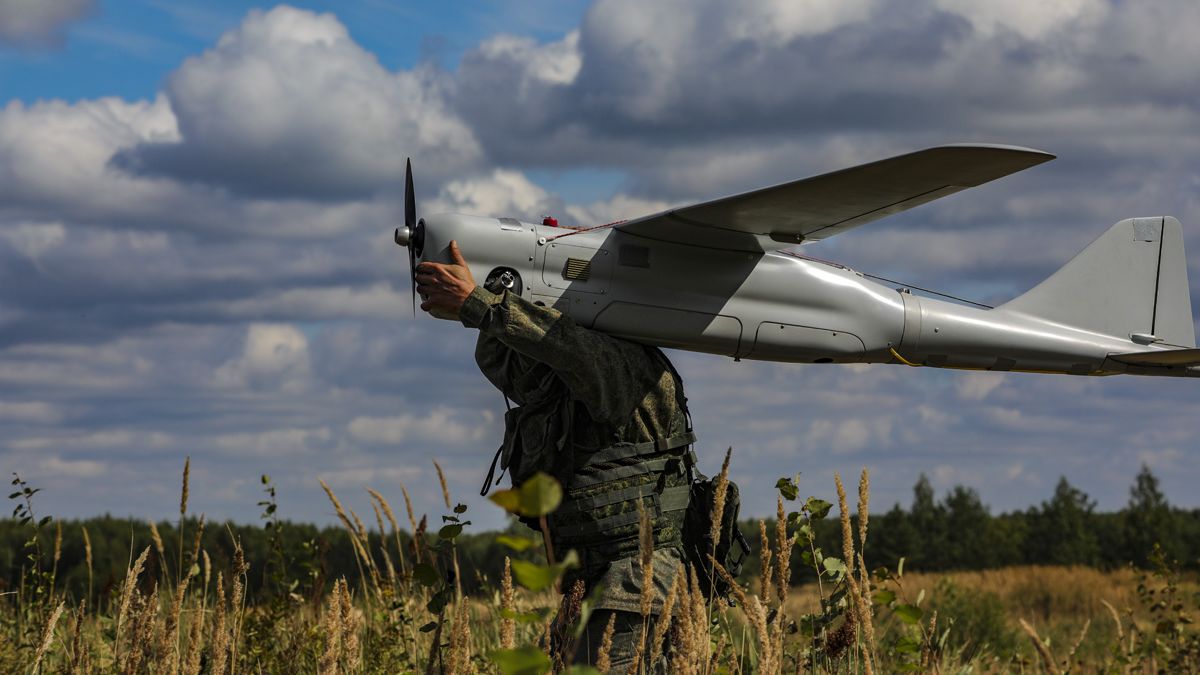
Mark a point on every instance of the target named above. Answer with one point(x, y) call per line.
point(209, 271)
point(288, 104)
point(274, 356)
point(39, 23)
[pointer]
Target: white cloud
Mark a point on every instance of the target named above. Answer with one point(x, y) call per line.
point(274, 356)
point(74, 468)
point(977, 386)
point(39, 22)
point(288, 104)
point(38, 412)
point(440, 426)
point(503, 192)
point(1032, 19)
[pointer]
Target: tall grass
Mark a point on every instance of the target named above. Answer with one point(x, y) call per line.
point(407, 612)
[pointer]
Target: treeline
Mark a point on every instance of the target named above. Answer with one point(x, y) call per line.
point(956, 532)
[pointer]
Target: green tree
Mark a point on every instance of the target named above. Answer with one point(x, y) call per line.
point(969, 542)
point(1063, 530)
point(928, 519)
point(1148, 520)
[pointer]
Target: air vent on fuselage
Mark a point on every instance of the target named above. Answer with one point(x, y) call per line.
point(577, 269)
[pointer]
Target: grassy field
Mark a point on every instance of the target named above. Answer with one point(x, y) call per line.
point(176, 611)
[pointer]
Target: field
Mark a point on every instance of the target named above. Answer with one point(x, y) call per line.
point(178, 609)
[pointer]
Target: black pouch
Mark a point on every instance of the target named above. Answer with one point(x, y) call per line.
point(731, 548)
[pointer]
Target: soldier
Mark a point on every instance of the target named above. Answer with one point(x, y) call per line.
point(606, 417)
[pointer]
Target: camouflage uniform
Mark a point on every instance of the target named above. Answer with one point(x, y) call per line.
point(608, 419)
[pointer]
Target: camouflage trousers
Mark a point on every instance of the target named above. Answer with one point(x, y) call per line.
point(627, 635)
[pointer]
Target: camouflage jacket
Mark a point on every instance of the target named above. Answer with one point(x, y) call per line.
point(579, 391)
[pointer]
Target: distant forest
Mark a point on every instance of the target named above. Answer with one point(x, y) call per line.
point(956, 532)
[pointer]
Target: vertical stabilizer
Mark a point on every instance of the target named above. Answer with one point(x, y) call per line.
point(1130, 283)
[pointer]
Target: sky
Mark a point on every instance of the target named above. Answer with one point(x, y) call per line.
point(197, 199)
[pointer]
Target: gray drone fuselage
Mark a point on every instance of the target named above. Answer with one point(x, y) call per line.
point(774, 305)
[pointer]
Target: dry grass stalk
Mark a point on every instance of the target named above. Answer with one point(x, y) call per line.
point(357, 535)
point(47, 636)
point(349, 624)
point(191, 661)
point(508, 625)
point(183, 500)
point(1042, 650)
point(158, 544)
point(168, 648)
point(127, 590)
point(1078, 641)
point(207, 571)
point(783, 569)
point(183, 493)
point(238, 600)
point(646, 559)
point(603, 656)
point(1116, 618)
point(442, 480)
point(864, 577)
point(460, 641)
point(87, 554)
point(80, 657)
point(858, 610)
point(664, 619)
point(927, 645)
point(331, 627)
point(194, 557)
point(391, 517)
point(718, 512)
point(766, 573)
point(219, 651)
point(412, 522)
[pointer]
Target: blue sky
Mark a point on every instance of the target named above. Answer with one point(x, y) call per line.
point(196, 201)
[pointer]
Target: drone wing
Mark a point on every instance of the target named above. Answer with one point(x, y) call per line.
point(822, 206)
point(1166, 358)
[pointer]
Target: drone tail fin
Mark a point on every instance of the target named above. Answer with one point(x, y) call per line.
point(1129, 283)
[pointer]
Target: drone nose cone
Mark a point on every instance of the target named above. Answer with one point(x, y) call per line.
point(402, 236)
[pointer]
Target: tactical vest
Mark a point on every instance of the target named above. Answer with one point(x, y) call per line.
point(598, 517)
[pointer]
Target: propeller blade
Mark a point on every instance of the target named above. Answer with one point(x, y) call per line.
point(412, 266)
point(410, 199)
point(410, 223)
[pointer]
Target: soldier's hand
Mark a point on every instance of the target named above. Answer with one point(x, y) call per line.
point(444, 287)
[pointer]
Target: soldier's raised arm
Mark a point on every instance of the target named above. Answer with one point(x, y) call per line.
point(608, 375)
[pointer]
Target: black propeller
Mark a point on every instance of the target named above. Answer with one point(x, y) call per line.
point(412, 235)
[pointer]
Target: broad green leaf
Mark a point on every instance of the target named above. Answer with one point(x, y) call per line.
point(536, 577)
point(834, 566)
point(509, 500)
point(460, 509)
point(787, 488)
point(527, 660)
point(883, 597)
point(516, 543)
point(817, 508)
point(426, 575)
point(908, 613)
point(429, 627)
point(540, 495)
point(908, 645)
point(450, 531)
point(533, 616)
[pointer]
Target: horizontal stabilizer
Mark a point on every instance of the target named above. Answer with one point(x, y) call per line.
point(1176, 358)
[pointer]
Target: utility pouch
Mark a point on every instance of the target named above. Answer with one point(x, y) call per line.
point(731, 548)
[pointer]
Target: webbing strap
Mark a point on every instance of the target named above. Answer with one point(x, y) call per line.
point(671, 499)
point(582, 481)
point(621, 451)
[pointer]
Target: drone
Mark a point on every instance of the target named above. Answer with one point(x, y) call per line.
point(724, 277)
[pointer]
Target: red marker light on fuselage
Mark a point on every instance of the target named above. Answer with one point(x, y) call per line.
point(549, 221)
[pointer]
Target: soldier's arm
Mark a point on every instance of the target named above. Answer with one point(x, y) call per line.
point(610, 376)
